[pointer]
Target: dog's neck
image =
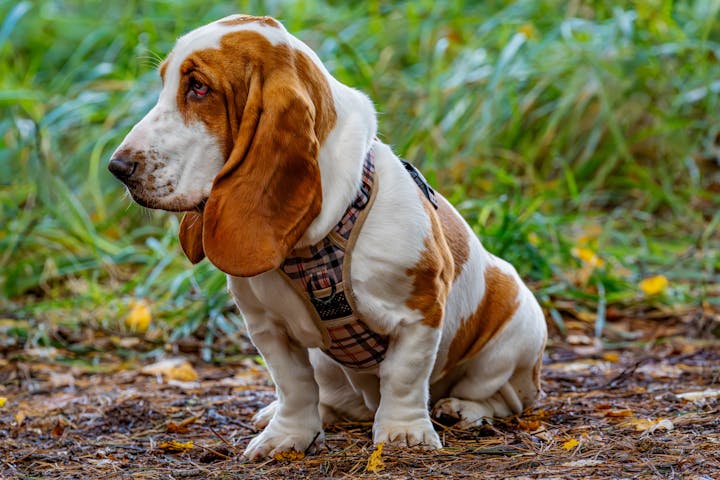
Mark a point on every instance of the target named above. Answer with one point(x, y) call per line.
point(341, 158)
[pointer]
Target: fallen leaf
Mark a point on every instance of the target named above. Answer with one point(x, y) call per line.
point(139, 318)
point(172, 369)
point(619, 413)
point(588, 317)
point(648, 424)
point(375, 462)
point(661, 424)
point(58, 430)
point(181, 427)
point(173, 427)
point(173, 446)
point(698, 396)
point(289, 456)
point(570, 444)
point(653, 285)
point(529, 30)
point(587, 256)
point(611, 357)
point(528, 425)
point(639, 424)
point(3, 400)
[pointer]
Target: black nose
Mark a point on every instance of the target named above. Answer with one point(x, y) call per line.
point(122, 168)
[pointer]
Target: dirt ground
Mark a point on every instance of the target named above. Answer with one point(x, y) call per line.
point(646, 408)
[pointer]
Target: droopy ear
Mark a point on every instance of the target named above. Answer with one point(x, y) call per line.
point(268, 192)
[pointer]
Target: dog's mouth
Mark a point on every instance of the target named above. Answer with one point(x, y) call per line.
point(169, 205)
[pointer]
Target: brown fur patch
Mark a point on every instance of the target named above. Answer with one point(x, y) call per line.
point(496, 309)
point(433, 274)
point(456, 234)
point(319, 88)
point(241, 19)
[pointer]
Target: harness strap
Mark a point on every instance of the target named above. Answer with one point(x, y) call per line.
point(421, 182)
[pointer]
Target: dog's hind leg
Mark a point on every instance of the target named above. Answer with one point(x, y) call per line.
point(502, 379)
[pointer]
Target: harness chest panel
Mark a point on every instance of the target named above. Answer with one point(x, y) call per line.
point(321, 274)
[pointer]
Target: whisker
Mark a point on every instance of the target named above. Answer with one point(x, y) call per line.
point(151, 58)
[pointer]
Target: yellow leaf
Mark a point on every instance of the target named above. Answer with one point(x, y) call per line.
point(3, 400)
point(611, 357)
point(375, 462)
point(528, 29)
point(570, 444)
point(289, 456)
point(654, 285)
point(172, 369)
point(587, 256)
point(184, 373)
point(173, 446)
point(139, 318)
point(533, 239)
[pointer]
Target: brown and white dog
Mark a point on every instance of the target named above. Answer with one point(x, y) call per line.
point(264, 150)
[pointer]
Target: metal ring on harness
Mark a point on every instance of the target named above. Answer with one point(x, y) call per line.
point(324, 301)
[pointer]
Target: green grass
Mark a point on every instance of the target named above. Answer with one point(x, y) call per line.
point(542, 120)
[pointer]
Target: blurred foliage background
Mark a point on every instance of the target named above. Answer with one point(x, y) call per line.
point(579, 138)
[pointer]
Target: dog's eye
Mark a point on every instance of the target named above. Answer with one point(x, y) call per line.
point(199, 90)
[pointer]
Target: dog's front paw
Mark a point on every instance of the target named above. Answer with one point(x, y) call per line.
point(273, 441)
point(417, 433)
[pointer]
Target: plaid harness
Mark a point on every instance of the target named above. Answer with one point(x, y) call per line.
point(321, 274)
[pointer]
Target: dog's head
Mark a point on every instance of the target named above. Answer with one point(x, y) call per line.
point(233, 141)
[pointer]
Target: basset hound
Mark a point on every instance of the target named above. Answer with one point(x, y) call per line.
point(365, 291)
